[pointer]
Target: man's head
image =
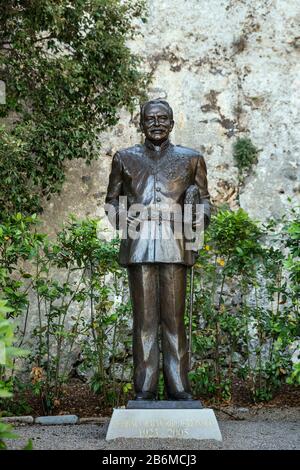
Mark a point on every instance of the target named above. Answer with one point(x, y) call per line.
point(156, 120)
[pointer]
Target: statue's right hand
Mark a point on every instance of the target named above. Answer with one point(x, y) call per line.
point(133, 220)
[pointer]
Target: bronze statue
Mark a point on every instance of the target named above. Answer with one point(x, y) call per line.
point(157, 175)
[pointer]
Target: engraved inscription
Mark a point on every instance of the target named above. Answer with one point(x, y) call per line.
point(172, 428)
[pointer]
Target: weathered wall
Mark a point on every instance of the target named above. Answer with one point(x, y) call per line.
point(228, 68)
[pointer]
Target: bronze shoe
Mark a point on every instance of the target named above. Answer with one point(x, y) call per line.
point(180, 396)
point(145, 396)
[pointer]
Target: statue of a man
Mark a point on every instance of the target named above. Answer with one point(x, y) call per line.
point(157, 175)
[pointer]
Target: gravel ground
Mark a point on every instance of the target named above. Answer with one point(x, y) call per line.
point(271, 429)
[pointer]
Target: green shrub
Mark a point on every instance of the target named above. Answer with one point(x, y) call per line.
point(68, 71)
point(246, 314)
point(7, 355)
point(244, 153)
point(245, 317)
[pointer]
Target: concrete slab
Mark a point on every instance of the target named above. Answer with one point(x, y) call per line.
point(197, 424)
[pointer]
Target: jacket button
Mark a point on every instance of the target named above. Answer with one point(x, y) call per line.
point(157, 189)
point(158, 199)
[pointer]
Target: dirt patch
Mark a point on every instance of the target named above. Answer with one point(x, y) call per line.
point(77, 398)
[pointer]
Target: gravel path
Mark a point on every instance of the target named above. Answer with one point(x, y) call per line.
point(236, 435)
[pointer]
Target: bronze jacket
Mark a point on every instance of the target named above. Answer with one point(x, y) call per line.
point(156, 177)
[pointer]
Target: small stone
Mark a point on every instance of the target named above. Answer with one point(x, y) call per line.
point(52, 420)
point(243, 410)
point(18, 419)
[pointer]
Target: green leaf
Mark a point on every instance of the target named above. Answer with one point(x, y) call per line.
point(29, 445)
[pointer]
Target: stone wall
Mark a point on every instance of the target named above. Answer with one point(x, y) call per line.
point(228, 68)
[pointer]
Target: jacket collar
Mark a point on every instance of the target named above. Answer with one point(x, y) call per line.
point(157, 148)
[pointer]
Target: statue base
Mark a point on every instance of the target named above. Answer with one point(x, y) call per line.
point(163, 423)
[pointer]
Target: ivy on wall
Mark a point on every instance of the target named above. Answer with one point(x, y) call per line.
point(67, 71)
point(245, 155)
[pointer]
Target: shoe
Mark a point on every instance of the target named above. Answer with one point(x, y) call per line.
point(180, 396)
point(145, 396)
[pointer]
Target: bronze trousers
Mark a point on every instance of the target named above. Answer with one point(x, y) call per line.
point(158, 299)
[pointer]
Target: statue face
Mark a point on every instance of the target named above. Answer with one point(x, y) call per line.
point(156, 123)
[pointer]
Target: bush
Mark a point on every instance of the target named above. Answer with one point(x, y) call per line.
point(245, 316)
point(71, 287)
point(7, 355)
point(244, 153)
point(68, 71)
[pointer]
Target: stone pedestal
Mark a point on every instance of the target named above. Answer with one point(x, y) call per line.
point(171, 423)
